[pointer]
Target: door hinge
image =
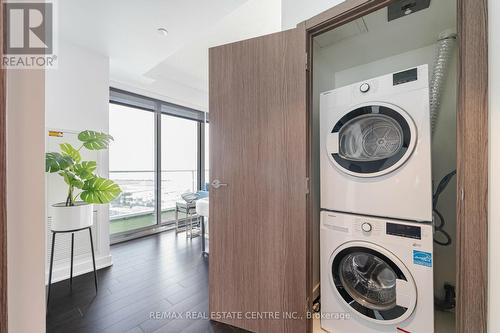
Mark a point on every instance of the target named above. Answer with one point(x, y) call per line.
point(307, 61)
point(307, 185)
point(462, 194)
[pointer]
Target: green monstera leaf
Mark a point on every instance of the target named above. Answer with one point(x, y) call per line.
point(95, 140)
point(80, 174)
point(70, 151)
point(85, 170)
point(71, 179)
point(55, 162)
point(99, 190)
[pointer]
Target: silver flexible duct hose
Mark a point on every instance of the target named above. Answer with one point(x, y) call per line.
point(445, 48)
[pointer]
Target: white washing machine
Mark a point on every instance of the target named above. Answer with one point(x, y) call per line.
point(376, 275)
point(376, 147)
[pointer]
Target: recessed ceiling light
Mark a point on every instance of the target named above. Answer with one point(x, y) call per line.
point(163, 31)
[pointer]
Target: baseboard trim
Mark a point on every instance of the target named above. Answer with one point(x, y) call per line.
point(80, 266)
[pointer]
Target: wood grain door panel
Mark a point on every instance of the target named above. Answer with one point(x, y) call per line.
point(3, 189)
point(258, 243)
point(472, 168)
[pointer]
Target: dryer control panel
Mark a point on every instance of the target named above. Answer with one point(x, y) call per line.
point(405, 76)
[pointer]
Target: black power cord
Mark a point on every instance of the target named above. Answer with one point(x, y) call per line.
point(439, 221)
point(449, 302)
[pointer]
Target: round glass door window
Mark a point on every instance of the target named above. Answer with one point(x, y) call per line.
point(368, 282)
point(372, 140)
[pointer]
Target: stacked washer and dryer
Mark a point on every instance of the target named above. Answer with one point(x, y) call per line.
point(376, 235)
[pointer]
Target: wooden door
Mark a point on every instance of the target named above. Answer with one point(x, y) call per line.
point(3, 190)
point(472, 168)
point(258, 235)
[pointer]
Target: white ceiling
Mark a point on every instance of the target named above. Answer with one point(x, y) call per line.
point(175, 66)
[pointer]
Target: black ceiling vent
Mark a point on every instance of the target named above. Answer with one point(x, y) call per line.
point(402, 8)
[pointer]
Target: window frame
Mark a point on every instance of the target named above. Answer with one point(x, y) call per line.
point(159, 108)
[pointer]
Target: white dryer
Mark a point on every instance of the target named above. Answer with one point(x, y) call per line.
point(376, 147)
point(376, 275)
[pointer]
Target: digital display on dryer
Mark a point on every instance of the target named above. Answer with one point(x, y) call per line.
point(405, 77)
point(402, 230)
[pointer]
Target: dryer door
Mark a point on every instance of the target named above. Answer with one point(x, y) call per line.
point(373, 283)
point(371, 140)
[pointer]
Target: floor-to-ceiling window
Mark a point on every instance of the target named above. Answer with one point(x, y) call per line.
point(179, 161)
point(158, 153)
point(132, 166)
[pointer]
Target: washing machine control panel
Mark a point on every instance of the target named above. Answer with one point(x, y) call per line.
point(366, 227)
point(377, 229)
point(403, 230)
point(369, 228)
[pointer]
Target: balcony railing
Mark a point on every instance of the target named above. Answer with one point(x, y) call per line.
point(135, 207)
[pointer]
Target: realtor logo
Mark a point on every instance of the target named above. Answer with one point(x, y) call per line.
point(29, 34)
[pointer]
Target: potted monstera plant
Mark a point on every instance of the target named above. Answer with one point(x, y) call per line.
point(85, 186)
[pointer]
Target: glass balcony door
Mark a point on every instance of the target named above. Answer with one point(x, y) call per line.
point(179, 162)
point(132, 166)
point(157, 155)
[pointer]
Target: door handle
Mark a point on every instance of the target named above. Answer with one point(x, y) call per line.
point(332, 143)
point(405, 294)
point(216, 183)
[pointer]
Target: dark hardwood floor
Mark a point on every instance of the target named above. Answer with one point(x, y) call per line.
point(152, 281)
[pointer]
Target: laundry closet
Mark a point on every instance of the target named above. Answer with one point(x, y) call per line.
point(341, 147)
point(384, 137)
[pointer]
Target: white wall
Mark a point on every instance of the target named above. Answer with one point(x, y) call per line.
point(77, 92)
point(25, 205)
point(494, 167)
point(77, 99)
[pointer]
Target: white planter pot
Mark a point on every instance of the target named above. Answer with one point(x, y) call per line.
point(74, 217)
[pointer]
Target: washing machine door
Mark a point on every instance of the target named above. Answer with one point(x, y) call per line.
point(373, 283)
point(371, 140)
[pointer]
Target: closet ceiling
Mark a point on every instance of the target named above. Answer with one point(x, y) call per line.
point(413, 31)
